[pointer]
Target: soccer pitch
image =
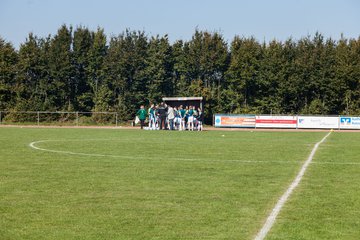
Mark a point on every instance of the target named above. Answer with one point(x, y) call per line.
point(128, 184)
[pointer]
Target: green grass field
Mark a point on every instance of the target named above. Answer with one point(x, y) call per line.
point(126, 184)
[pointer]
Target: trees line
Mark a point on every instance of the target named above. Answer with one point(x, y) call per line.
point(80, 70)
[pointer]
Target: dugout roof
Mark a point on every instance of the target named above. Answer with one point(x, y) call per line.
point(185, 101)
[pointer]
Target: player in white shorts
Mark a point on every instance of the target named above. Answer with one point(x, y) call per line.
point(177, 120)
point(190, 114)
point(182, 114)
point(151, 113)
point(200, 119)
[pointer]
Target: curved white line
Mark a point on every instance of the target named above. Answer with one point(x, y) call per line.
point(33, 145)
point(274, 213)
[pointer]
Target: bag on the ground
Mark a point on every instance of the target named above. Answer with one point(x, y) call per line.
point(137, 120)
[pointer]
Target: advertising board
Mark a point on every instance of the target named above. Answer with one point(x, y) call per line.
point(318, 122)
point(276, 121)
point(349, 122)
point(236, 121)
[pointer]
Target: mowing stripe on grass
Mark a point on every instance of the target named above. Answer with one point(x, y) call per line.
point(274, 213)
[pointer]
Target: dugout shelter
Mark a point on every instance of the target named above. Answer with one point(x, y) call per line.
point(185, 101)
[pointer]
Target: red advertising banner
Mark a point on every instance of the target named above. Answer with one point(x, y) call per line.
point(276, 121)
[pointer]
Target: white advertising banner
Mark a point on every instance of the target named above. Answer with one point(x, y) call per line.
point(318, 122)
point(275, 121)
point(349, 122)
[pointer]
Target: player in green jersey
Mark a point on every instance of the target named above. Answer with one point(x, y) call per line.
point(151, 114)
point(141, 113)
point(182, 113)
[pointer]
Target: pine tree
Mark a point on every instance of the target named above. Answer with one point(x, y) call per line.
point(206, 60)
point(288, 82)
point(243, 73)
point(125, 68)
point(29, 67)
point(62, 69)
point(8, 71)
point(267, 98)
point(159, 69)
point(82, 43)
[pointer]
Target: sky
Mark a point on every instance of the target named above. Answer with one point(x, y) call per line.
point(263, 19)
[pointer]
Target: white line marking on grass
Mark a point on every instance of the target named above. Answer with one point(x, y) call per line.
point(33, 145)
point(274, 213)
point(336, 163)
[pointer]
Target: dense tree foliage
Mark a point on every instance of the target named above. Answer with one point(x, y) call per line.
point(80, 70)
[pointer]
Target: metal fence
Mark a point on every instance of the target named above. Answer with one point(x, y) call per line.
point(59, 118)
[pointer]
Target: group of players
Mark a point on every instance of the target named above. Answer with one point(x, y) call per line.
point(165, 117)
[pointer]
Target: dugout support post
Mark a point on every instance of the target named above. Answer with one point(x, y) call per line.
point(77, 118)
point(38, 118)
